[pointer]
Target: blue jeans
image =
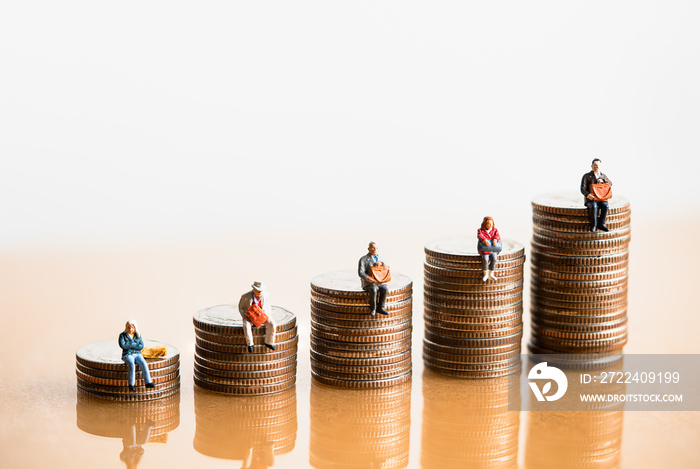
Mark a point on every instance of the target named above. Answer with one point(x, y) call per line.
point(138, 359)
point(488, 261)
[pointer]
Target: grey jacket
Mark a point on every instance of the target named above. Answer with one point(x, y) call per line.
point(588, 179)
point(363, 266)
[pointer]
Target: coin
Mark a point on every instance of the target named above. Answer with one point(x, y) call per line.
point(225, 319)
point(260, 355)
point(450, 357)
point(597, 261)
point(124, 381)
point(346, 283)
point(108, 374)
point(246, 390)
point(488, 333)
point(380, 338)
point(472, 263)
point(429, 365)
point(245, 382)
point(549, 232)
point(572, 203)
point(258, 339)
point(361, 362)
point(368, 323)
point(375, 349)
point(362, 384)
point(242, 348)
point(434, 311)
point(490, 288)
point(472, 343)
point(131, 397)
point(334, 310)
point(461, 247)
point(441, 272)
point(359, 375)
point(466, 322)
point(356, 334)
point(434, 300)
point(245, 374)
point(107, 355)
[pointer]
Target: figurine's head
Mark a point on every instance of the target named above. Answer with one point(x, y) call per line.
point(258, 287)
point(487, 224)
point(596, 165)
point(372, 248)
point(131, 328)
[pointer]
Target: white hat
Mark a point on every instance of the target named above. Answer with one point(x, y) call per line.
point(258, 286)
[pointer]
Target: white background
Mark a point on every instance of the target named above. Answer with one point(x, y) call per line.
point(139, 119)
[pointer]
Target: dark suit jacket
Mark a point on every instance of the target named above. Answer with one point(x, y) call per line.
point(588, 179)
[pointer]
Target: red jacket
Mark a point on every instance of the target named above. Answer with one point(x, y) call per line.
point(484, 235)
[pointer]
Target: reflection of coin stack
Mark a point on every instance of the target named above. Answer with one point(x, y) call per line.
point(579, 278)
point(222, 362)
point(472, 328)
point(350, 348)
point(111, 420)
point(364, 428)
point(253, 428)
point(102, 373)
point(579, 439)
point(467, 424)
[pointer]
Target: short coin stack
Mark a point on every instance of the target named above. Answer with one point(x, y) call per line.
point(223, 364)
point(579, 277)
point(103, 374)
point(349, 347)
point(468, 423)
point(253, 428)
point(473, 328)
point(365, 428)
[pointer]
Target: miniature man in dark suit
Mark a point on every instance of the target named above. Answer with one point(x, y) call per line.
point(596, 176)
point(368, 283)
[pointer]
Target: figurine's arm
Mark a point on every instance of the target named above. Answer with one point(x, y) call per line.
point(496, 237)
point(243, 304)
point(584, 186)
point(606, 179)
point(361, 269)
point(129, 345)
point(267, 306)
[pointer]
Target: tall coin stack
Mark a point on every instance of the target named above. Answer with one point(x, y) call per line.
point(103, 374)
point(579, 277)
point(366, 428)
point(223, 364)
point(473, 328)
point(349, 347)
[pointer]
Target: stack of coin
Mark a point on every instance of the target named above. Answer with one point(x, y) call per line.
point(365, 428)
point(249, 428)
point(468, 424)
point(154, 419)
point(473, 328)
point(579, 277)
point(223, 364)
point(349, 347)
point(103, 374)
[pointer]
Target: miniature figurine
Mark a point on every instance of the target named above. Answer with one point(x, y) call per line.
point(374, 274)
point(595, 176)
point(488, 238)
point(256, 310)
point(131, 343)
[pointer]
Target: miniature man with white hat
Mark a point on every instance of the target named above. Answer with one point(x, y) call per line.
point(261, 298)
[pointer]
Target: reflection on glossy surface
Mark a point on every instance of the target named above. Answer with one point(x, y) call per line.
point(360, 428)
point(466, 423)
point(578, 439)
point(251, 429)
point(136, 423)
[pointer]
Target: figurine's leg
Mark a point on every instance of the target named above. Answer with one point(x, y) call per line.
point(131, 372)
point(603, 214)
point(248, 333)
point(383, 290)
point(592, 214)
point(372, 290)
point(138, 359)
point(270, 333)
point(492, 264)
point(485, 266)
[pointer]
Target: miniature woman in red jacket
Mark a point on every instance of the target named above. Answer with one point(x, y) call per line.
point(488, 236)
